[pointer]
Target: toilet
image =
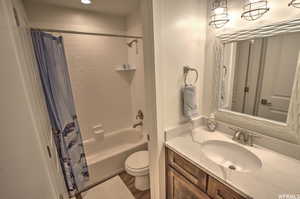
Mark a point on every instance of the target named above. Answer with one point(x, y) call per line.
point(137, 165)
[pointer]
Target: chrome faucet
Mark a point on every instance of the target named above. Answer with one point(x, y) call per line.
point(240, 136)
point(243, 137)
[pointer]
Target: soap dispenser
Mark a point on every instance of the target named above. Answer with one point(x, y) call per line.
point(211, 123)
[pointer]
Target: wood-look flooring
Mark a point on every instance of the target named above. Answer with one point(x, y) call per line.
point(129, 182)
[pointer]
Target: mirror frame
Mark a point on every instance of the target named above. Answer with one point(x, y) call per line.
point(284, 131)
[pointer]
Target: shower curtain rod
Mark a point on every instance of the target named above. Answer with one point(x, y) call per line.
point(86, 33)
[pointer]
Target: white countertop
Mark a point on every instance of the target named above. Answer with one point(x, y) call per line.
point(278, 175)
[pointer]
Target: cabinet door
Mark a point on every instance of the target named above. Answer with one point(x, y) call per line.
point(188, 170)
point(178, 187)
point(217, 190)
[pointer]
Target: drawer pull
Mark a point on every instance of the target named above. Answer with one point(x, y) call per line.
point(219, 194)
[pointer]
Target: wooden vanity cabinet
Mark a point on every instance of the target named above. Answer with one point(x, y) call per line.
point(187, 181)
point(181, 188)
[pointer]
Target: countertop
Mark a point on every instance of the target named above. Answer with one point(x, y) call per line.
point(279, 174)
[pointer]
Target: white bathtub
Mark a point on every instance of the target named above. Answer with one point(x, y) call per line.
point(106, 157)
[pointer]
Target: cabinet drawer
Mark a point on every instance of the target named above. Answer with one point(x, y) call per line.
point(180, 188)
point(188, 170)
point(217, 190)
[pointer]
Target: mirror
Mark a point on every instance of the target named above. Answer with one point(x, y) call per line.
point(257, 76)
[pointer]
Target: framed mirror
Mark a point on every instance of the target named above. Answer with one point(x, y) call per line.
point(258, 75)
point(258, 78)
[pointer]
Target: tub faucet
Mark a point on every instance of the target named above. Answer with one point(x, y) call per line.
point(138, 124)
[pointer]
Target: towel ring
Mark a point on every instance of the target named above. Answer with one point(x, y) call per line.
point(186, 70)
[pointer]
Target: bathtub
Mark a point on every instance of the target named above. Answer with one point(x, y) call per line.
point(106, 156)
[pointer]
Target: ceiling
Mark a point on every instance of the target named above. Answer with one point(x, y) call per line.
point(114, 7)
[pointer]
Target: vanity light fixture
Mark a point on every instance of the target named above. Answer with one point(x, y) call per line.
point(295, 3)
point(219, 14)
point(86, 2)
point(254, 9)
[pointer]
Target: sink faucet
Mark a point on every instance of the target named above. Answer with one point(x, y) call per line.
point(240, 136)
point(243, 137)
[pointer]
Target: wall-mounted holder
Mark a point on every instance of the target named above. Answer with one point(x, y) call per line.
point(186, 70)
point(98, 132)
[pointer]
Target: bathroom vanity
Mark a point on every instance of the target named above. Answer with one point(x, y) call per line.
point(210, 165)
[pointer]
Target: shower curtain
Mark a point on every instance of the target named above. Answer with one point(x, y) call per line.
point(49, 51)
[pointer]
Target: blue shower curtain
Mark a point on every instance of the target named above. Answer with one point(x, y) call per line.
point(50, 55)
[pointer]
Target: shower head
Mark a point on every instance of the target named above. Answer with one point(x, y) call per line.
point(132, 42)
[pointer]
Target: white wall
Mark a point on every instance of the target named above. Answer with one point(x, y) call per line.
point(53, 17)
point(25, 170)
point(134, 26)
point(179, 39)
point(182, 42)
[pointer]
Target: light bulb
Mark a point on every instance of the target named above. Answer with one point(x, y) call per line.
point(86, 1)
point(253, 1)
point(219, 11)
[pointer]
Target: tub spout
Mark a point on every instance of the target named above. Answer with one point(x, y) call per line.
point(138, 124)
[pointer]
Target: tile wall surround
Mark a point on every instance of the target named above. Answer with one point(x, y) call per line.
point(92, 61)
point(279, 146)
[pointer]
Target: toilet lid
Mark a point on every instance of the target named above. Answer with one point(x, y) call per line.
point(138, 160)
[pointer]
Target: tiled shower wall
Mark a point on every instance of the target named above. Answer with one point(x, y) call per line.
point(102, 95)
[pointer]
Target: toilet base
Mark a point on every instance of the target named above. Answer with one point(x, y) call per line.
point(142, 183)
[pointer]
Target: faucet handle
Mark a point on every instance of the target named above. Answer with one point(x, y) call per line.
point(140, 115)
point(251, 136)
point(235, 129)
point(247, 135)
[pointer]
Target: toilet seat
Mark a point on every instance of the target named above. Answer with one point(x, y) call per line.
point(137, 164)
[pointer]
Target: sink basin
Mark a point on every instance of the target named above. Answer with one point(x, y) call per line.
point(231, 156)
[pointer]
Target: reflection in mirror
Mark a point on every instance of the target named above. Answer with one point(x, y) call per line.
point(257, 76)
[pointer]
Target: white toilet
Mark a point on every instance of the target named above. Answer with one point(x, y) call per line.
point(137, 165)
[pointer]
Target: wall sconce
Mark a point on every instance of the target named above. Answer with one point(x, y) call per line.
point(254, 9)
point(295, 3)
point(219, 14)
